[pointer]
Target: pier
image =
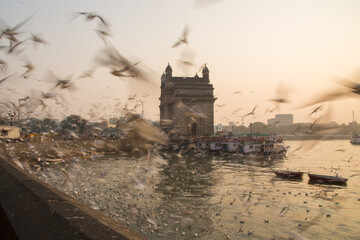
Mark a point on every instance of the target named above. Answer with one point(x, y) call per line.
point(32, 209)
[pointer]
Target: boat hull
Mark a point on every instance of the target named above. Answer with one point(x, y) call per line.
point(289, 174)
point(327, 179)
point(355, 139)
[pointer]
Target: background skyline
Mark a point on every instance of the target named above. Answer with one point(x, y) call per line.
point(255, 51)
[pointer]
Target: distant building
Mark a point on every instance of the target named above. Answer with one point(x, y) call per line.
point(271, 121)
point(232, 127)
point(187, 103)
point(353, 126)
point(218, 128)
point(281, 119)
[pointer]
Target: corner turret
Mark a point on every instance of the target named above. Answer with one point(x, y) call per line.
point(205, 73)
point(168, 71)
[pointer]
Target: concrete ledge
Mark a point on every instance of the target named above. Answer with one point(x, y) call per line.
point(32, 209)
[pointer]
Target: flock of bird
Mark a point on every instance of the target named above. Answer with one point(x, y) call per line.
point(169, 195)
point(123, 68)
point(137, 206)
point(14, 46)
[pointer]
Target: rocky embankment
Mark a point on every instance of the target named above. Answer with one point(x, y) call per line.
point(61, 150)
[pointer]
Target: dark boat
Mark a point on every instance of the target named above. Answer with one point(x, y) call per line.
point(327, 179)
point(288, 174)
point(355, 139)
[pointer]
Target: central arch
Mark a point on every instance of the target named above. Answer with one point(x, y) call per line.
point(193, 129)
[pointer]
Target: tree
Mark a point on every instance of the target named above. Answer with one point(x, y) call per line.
point(49, 125)
point(73, 124)
point(33, 125)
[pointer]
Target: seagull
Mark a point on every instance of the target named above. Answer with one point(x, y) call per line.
point(271, 110)
point(89, 16)
point(349, 88)
point(16, 45)
point(352, 86)
point(10, 33)
point(119, 65)
point(5, 78)
point(183, 38)
point(282, 92)
point(252, 112)
point(316, 109)
point(37, 39)
point(29, 66)
point(87, 74)
point(103, 34)
point(119, 72)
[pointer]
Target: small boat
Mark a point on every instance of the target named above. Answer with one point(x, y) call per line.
point(288, 174)
point(355, 139)
point(327, 179)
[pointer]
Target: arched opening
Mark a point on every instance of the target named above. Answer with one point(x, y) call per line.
point(193, 129)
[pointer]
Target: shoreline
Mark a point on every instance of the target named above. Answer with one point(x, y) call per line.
point(315, 137)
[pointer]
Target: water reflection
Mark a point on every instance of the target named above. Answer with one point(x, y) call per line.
point(185, 187)
point(170, 196)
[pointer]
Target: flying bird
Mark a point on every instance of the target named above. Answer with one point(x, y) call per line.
point(281, 97)
point(87, 74)
point(15, 46)
point(252, 112)
point(119, 72)
point(352, 86)
point(89, 16)
point(29, 66)
point(103, 34)
point(59, 83)
point(10, 33)
point(316, 110)
point(347, 88)
point(183, 38)
point(63, 84)
point(37, 39)
point(271, 110)
point(5, 78)
point(119, 65)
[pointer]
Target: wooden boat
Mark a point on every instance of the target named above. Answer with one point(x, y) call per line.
point(288, 174)
point(355, 139)
point(327, 179)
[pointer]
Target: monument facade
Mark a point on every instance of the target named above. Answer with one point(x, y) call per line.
point(187, 104)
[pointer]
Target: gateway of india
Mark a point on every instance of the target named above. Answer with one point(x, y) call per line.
point(187, 104)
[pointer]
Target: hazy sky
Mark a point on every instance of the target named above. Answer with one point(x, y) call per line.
point(249, 46)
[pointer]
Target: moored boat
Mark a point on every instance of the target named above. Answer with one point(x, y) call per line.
point(288, 174)
point(248, 144)
point(355, 139)
point(327, 179)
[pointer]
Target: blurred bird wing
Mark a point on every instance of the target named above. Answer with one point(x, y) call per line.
point(348, 83)
point(255, 107)
point(5, 78)
point(17, 26)
point(185, 32)
point(326, 97)
point(177, 43)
